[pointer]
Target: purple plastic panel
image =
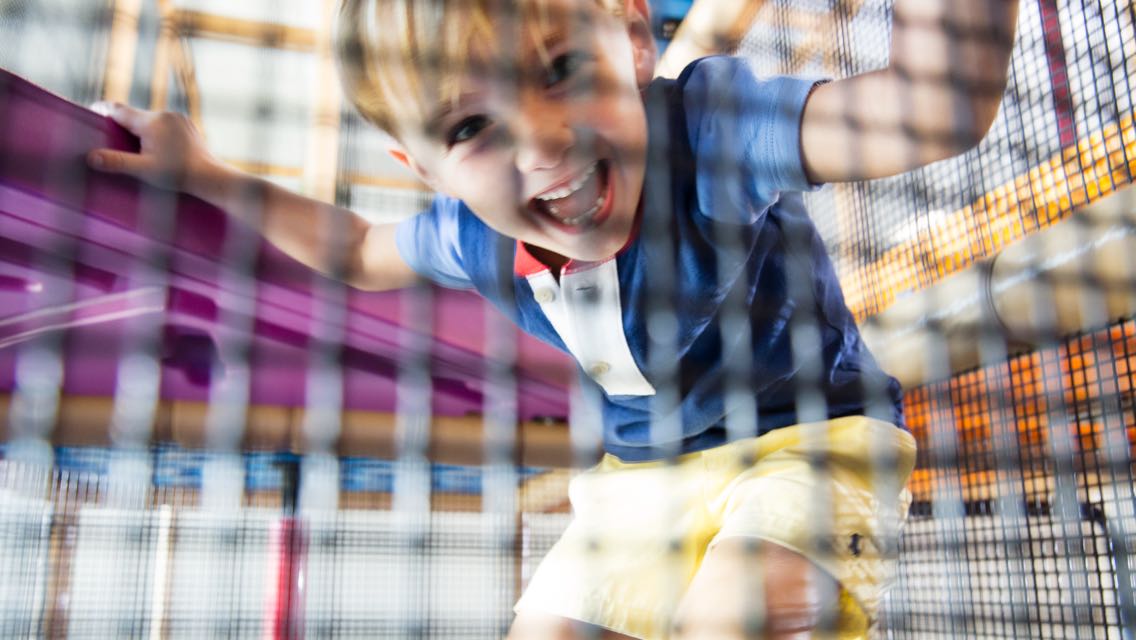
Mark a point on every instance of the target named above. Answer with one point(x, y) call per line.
point(64, 225)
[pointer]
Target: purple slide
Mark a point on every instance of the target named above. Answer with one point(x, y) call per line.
point(97, 256)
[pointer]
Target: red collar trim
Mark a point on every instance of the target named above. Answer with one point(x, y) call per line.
point(526, 264)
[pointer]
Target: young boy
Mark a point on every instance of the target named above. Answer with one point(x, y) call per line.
point(556, 157)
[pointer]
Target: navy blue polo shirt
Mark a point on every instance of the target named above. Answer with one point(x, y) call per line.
point(750, 331)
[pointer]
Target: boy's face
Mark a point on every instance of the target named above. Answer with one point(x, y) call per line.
point(552, 154)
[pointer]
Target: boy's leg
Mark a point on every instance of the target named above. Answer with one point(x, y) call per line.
point(636, 555)
point(638, 533)
point(532, 625)
point(749, 588)
point(803, 552)
point(725, 599)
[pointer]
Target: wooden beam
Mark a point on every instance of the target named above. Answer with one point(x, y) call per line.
point(85, 420)
point(1101, 163)
point(358, 179)
point(710, 27)
point(321, 163)
point(365, 180)
point(377, 501)
point(546, 492)
point(822, 30)
point(163, 53)
point(820, 42)
point(121, 50)
point(186, 76)
point(198, 24)
point(270, 498)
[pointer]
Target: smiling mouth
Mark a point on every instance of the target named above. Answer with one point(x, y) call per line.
point(579, 203)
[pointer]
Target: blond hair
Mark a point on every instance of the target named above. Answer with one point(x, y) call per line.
point(396, 57)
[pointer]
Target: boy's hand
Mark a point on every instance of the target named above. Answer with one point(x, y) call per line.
point(938, 96)
point(326, 238)
point(173, 153)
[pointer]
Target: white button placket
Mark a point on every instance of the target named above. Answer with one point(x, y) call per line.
point(545, 295)
point(585, 309)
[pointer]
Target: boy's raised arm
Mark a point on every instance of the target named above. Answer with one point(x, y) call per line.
point(329, 239)
point(937, 97)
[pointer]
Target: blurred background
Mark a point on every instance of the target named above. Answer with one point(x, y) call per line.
point(204, 440)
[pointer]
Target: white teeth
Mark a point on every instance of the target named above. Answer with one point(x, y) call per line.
point(571, 188)
point(575, 221)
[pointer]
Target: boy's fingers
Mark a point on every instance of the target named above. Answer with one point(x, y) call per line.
point(117, 162)
point(102, 107)
point(133, 119)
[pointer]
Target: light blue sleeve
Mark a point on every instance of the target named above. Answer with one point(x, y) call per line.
point(745, 133)
point(429, 243)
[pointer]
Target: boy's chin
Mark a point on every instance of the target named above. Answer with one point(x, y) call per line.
point(593, 256)
point(595, 244)
point(564, 252)
point(594, 252)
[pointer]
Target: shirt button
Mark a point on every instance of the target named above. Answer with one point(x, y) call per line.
point(598, 369)
point(544, 296)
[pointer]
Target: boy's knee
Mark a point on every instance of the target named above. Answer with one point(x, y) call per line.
point(533, 627)
point(795, 600)
point(539, 626)
point(784, 621)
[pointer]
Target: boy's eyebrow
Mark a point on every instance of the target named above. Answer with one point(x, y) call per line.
point(432, 125)
point(557, 34)
point(544, 42)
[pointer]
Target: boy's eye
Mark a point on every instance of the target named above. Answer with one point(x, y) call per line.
point(466, 130)
point(563, 67)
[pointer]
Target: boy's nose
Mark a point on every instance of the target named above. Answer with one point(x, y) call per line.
point(542, 142)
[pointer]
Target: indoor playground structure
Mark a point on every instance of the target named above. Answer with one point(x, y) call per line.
point(200, 438)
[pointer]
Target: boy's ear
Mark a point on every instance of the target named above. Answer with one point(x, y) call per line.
point(642, 40)
point(403, 158)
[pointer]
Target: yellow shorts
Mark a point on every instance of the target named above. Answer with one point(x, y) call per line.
point(640, 530)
